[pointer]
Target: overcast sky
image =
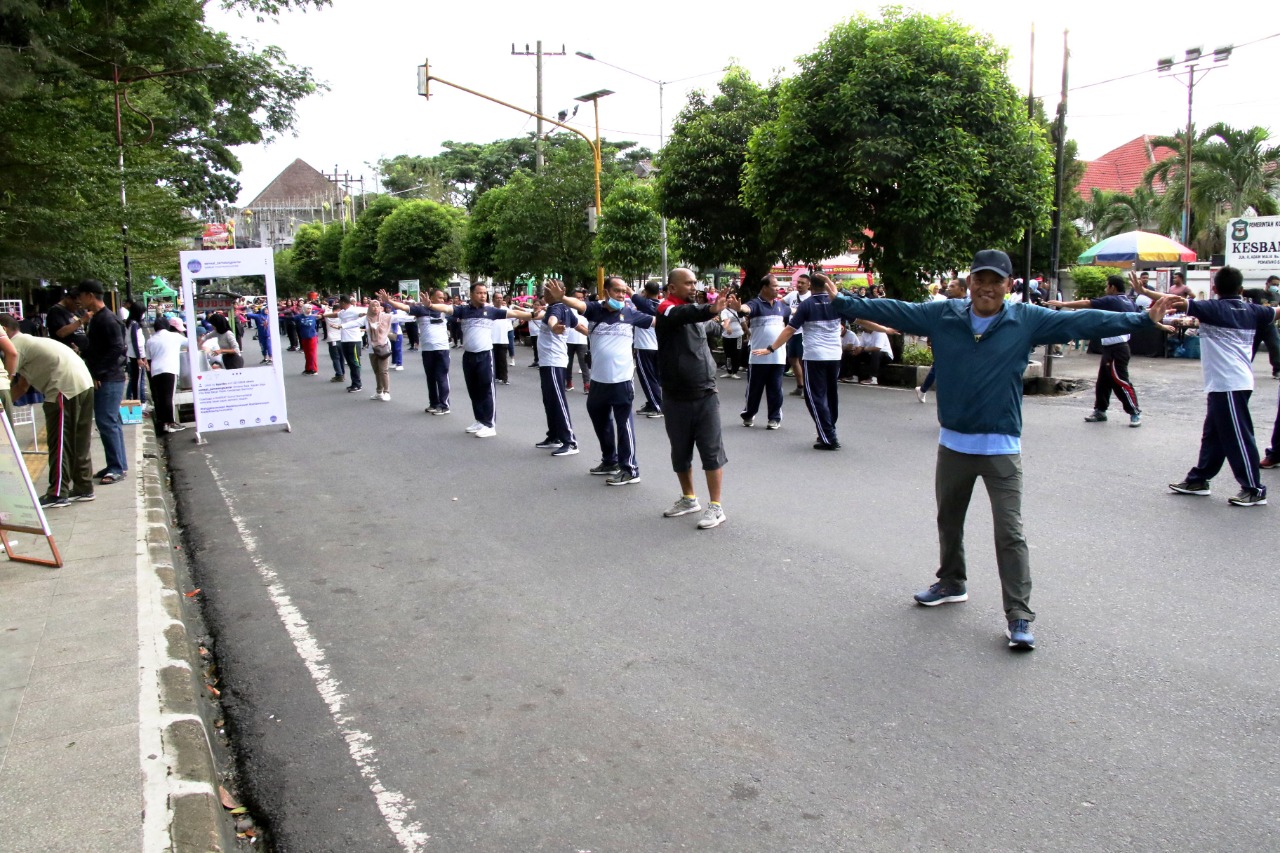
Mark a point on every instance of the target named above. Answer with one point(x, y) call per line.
point(367, 52)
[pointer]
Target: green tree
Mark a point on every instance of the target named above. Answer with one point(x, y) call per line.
point(480, 244)
point(287, 282)
point(907, 130)
point(329, 256)
point(542, 229)
point(188, 96)
point(307, 268)
point(423, 240)
point(700, 182)
point(358, 263)
point(629, 236)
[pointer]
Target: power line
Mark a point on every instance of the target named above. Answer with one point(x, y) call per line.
point(1150, 70)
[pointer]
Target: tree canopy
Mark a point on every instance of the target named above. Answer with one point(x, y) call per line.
point(421, 239)
point(629, 239)
point(700, 180)
point(187, 95)
point(902, 134)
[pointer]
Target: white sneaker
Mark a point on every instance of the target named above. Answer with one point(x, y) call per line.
point(683, 506)
point(375, 396)
point(386, 396)
point(398, 367)
point(475, 427)
point(486, 432)
point(921, 395)
point(712, 516)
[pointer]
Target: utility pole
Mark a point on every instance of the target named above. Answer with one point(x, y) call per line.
point(1060, 167)
point(1165, 66)
point(537, 157)
point(1031, 118)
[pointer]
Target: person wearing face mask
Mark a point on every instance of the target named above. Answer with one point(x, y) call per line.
point(613, 323)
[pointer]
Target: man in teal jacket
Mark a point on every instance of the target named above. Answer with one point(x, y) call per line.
point(981, 347)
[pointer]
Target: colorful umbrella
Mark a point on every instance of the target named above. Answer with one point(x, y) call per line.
point(1123, 250)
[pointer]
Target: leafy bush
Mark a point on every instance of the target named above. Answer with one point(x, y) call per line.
point(918, 355)
point(1091, 282)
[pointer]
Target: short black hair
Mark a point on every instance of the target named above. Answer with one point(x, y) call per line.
point(9, 323)
point(1228, 281)
point(476, 284)
point(1116, 282)
point(1272, 278)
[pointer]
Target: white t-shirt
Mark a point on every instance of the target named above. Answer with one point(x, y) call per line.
point(352, 320)
point(500, 329)
point(735, 323)
point(879, 340)
point(164, 351)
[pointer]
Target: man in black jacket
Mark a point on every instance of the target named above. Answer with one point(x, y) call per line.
point(106, 358)
point(687, 373)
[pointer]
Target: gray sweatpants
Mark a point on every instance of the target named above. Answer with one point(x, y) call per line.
point(953, 483)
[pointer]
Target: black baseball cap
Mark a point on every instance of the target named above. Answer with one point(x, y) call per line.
point(89, 285)
point(994, 260)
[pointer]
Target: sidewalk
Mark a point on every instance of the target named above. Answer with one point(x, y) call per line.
point(101, 744)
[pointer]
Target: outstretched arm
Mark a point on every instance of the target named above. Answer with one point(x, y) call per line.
point(1073, 304)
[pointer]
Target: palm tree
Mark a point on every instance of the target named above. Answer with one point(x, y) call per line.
point(1136, 211)
point(1232, 172)
point(1097, 213)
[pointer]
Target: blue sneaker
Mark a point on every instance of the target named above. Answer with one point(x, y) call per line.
point(942, 592)
point(1019, 634)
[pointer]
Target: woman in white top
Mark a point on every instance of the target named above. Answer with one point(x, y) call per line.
point(164, 359)
point(735, 354)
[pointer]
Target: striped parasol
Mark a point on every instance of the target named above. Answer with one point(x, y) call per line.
point(1123, 250)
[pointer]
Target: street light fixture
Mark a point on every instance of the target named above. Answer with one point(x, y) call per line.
point(424, 89)
point(1165, 66)
point(594, 99)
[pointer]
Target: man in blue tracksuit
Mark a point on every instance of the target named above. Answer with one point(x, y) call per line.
point(1113, 367)
point(767, 316)
point(647, 352)
point(816, 319)
point(981, 346)
point(1227, 327)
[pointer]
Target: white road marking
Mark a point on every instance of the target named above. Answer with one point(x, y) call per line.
point(396, 808)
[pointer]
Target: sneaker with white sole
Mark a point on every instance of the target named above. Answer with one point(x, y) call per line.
point(605, 469)
point(565, 450)
point(486, 432)
point(622, 478)
point(942, 592)
point(922, 396)
point(1019, 634)
point(385, 396)
point(774, 425)
point(475, 427)
point(1135, 420)
point(1095, 417)
point(441, 410)
point(548, 444)
point(683, 506)
point(1249, 497)
point(653, 414)
point(712, 516)
point(1191, 487)
point(748, 421)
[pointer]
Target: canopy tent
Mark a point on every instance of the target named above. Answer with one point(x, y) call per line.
point(1124, 250)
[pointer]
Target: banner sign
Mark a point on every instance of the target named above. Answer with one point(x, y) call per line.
point(217, 236)
point(410, 287)
point(248, 396)
point(1254, 243)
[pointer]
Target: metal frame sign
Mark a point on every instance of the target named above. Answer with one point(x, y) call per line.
point(250, 396)
point(1253, 243)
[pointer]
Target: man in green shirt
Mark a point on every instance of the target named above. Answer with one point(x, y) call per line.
point(62, 377)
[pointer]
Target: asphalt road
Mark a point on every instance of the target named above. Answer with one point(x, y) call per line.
point(435, 642)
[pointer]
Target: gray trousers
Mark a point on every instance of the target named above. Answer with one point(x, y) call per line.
point(953, 483)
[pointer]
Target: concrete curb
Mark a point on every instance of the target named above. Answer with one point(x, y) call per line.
point(184, 778)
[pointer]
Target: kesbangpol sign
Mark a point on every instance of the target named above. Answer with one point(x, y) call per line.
point(1254, 243)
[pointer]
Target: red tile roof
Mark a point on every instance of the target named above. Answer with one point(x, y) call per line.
point(1122, 168)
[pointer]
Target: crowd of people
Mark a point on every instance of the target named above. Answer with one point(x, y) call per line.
point(660, 339)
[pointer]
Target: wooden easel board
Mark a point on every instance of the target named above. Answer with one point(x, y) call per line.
point(20, 510)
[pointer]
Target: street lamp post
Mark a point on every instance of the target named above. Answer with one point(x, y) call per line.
point(594, 98)
point(425, 77)
point(662, 124)
point(1190, 62)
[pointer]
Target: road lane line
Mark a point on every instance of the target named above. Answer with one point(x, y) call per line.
point(396, 808)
